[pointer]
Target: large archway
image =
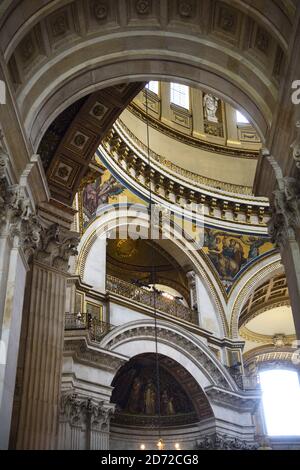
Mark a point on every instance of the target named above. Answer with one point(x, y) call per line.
point(81, 53)
point(92, 252)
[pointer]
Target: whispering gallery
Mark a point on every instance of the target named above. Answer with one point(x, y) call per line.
point(149, 224)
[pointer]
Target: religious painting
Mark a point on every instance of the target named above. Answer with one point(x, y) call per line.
point(136, 392)
point(100, 192)
point(230, 253)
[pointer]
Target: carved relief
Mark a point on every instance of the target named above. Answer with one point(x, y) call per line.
point(56, 246)
point(79, 140)
point(211, 104)
point(60, 25)
point(17, 217)
point(185, 8)
point(143, 7)
point(80, 410)
point(286, 211)
point(296, 146)
point(227, 19)
point(224, 441)
point(98, 110)
point(100, 10)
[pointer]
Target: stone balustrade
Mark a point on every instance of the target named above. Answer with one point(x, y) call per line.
point(221, 201)
point(148, 298)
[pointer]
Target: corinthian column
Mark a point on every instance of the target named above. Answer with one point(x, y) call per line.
point(19, 236)
point(84, 422)
point(284, 229)
point(43, 340)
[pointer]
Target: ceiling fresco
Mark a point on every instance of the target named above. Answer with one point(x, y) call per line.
point(231, 253)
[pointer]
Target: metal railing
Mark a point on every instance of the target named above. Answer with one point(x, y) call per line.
point(85, 321)
point(163, 304)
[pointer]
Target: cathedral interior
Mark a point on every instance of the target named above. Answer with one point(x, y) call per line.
point(149, 224)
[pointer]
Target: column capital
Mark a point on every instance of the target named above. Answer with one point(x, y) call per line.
point(296, 145)
point(17, 216)
point(55, 246)
point(81, 410)
point(285, 220)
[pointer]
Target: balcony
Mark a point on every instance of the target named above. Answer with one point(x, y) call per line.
point(158, 302)
point(85, 322)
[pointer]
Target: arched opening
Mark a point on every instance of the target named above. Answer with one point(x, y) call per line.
point(281, 401)
point(183, 405)
point(77, 101)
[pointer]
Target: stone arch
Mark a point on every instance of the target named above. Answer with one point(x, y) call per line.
point(255, 279)
point(81, 54)
point(93, 239)
point(138, 337)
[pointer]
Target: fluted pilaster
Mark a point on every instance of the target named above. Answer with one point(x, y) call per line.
point(40, 389)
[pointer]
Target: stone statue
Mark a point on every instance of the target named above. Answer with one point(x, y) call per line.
point(210, 104)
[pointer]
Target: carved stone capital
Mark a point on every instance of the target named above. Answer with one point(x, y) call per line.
point(79, 410)
point(296, 145)
point(285, 217)
point(56, 246)
point(225, 442)
point(17, 217)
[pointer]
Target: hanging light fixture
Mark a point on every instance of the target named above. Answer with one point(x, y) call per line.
point(160, 443)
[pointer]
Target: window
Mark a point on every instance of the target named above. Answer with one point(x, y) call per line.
point(281, 402)
point(180, 95)
point(241, 119)
point(152, 86)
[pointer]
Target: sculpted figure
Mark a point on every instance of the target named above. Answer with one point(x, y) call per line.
point(210, 107)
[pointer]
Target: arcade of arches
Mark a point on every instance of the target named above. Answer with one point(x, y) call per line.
point(117, 321)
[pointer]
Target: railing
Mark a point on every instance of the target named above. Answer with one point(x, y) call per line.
point(84, 321)
point(170, 306)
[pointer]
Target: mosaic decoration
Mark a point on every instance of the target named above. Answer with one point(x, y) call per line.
point(230, 253)
point(100, 192)
point(136, 392)
point(99, 189)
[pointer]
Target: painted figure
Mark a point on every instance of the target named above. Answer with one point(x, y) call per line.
point(150, 398)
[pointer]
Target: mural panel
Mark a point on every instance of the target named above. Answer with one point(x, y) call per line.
point(136, 392)
point(231, 253)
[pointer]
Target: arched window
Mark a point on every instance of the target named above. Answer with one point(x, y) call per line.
point(152, 86)
point(281, 402)
point(240, 118)
point(180, 95)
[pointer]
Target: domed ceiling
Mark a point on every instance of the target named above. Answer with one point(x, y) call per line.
point(203, 137)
